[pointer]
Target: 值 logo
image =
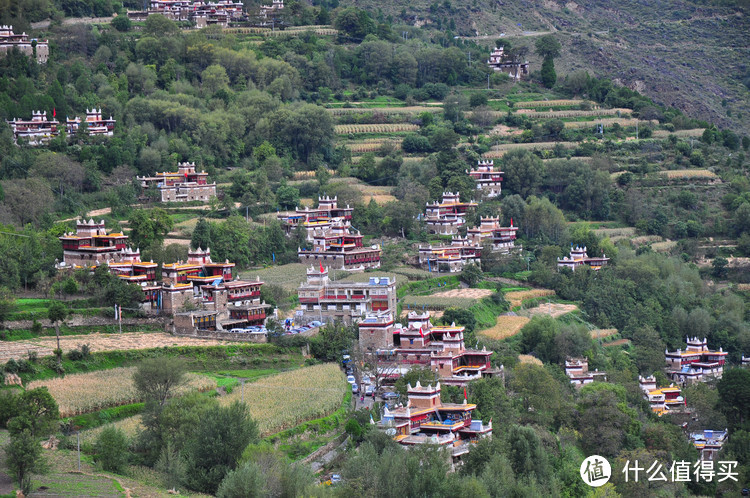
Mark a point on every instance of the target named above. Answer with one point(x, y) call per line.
point(595, 471)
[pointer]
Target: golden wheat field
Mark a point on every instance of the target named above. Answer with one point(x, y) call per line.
point(515, 298)
point(527, 358)
point(696, 132)
point(602, 333)
point(290, 398)
point(505, 326)
point(372, 145)
point(689, 173)
point(87, 392)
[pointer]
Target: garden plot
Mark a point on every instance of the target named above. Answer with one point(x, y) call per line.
point(602, 333)
point(527, 358)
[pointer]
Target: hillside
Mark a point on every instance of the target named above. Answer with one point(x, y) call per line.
point(685, 53)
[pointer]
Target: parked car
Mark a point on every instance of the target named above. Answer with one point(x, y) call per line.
point(390, 395)
point(355, 389)
point(350, 379)
point(369, 391)
point(349, 371)
point(366, 379)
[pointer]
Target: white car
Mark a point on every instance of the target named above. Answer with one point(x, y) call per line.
point(366, 380)
point(350, 379)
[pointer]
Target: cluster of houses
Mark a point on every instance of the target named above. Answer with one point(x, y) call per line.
point(199, 293)
point(206, 13)
point(40, 129)
point(39, 49)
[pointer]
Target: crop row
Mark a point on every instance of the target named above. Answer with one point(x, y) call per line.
point(339, 111)
point(607, 122)
point(88, 392)
point(689, 173)
point(374, 128)
point(547, 103)
point(362, 147)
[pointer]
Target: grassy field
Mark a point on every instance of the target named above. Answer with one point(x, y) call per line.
point(436, 302)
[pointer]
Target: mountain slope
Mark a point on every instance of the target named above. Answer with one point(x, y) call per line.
point(687, 53)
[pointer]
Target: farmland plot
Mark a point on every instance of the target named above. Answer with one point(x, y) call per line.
point(288, 399)
point(505, 326)
point(88, 392)
point(516, 298)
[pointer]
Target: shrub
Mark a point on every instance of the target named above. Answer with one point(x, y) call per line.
point(112, 450)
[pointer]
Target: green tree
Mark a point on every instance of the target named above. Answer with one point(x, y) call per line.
point(248, 481)
point(547, 46)
point(471, 275)
point(34, 410)
point(121, 23)
point(734, 396)
point(24, 456)
point(548, 74)
point(287, 196)
point(157, 378)
point(57, 313)
point(217, 444)
point(112, 450)
point(149, 227)
point(719, 267)
point(201, 236)
point(524, 172)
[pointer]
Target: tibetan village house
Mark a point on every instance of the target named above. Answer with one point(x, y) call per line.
point(37, 131)
point(183, 185)
point(578, 257)
point(28, 46)
point(696, 363)
point(319, 218)
point(450, 258)
point(577, 370)
point(709, 443)
point(340, 247)
point(447, 216)
point(96, 125)
point(427, 420)
point(502, 63)
point(662, 400)
point(323, 299)
point(91, 246)
point(440, 348)
point(503, 238)
point(488, 179)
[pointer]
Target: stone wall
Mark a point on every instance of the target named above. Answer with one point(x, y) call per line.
point(222, 336)
point(91, 321)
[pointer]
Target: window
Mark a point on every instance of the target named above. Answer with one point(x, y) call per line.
point(411, 341)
